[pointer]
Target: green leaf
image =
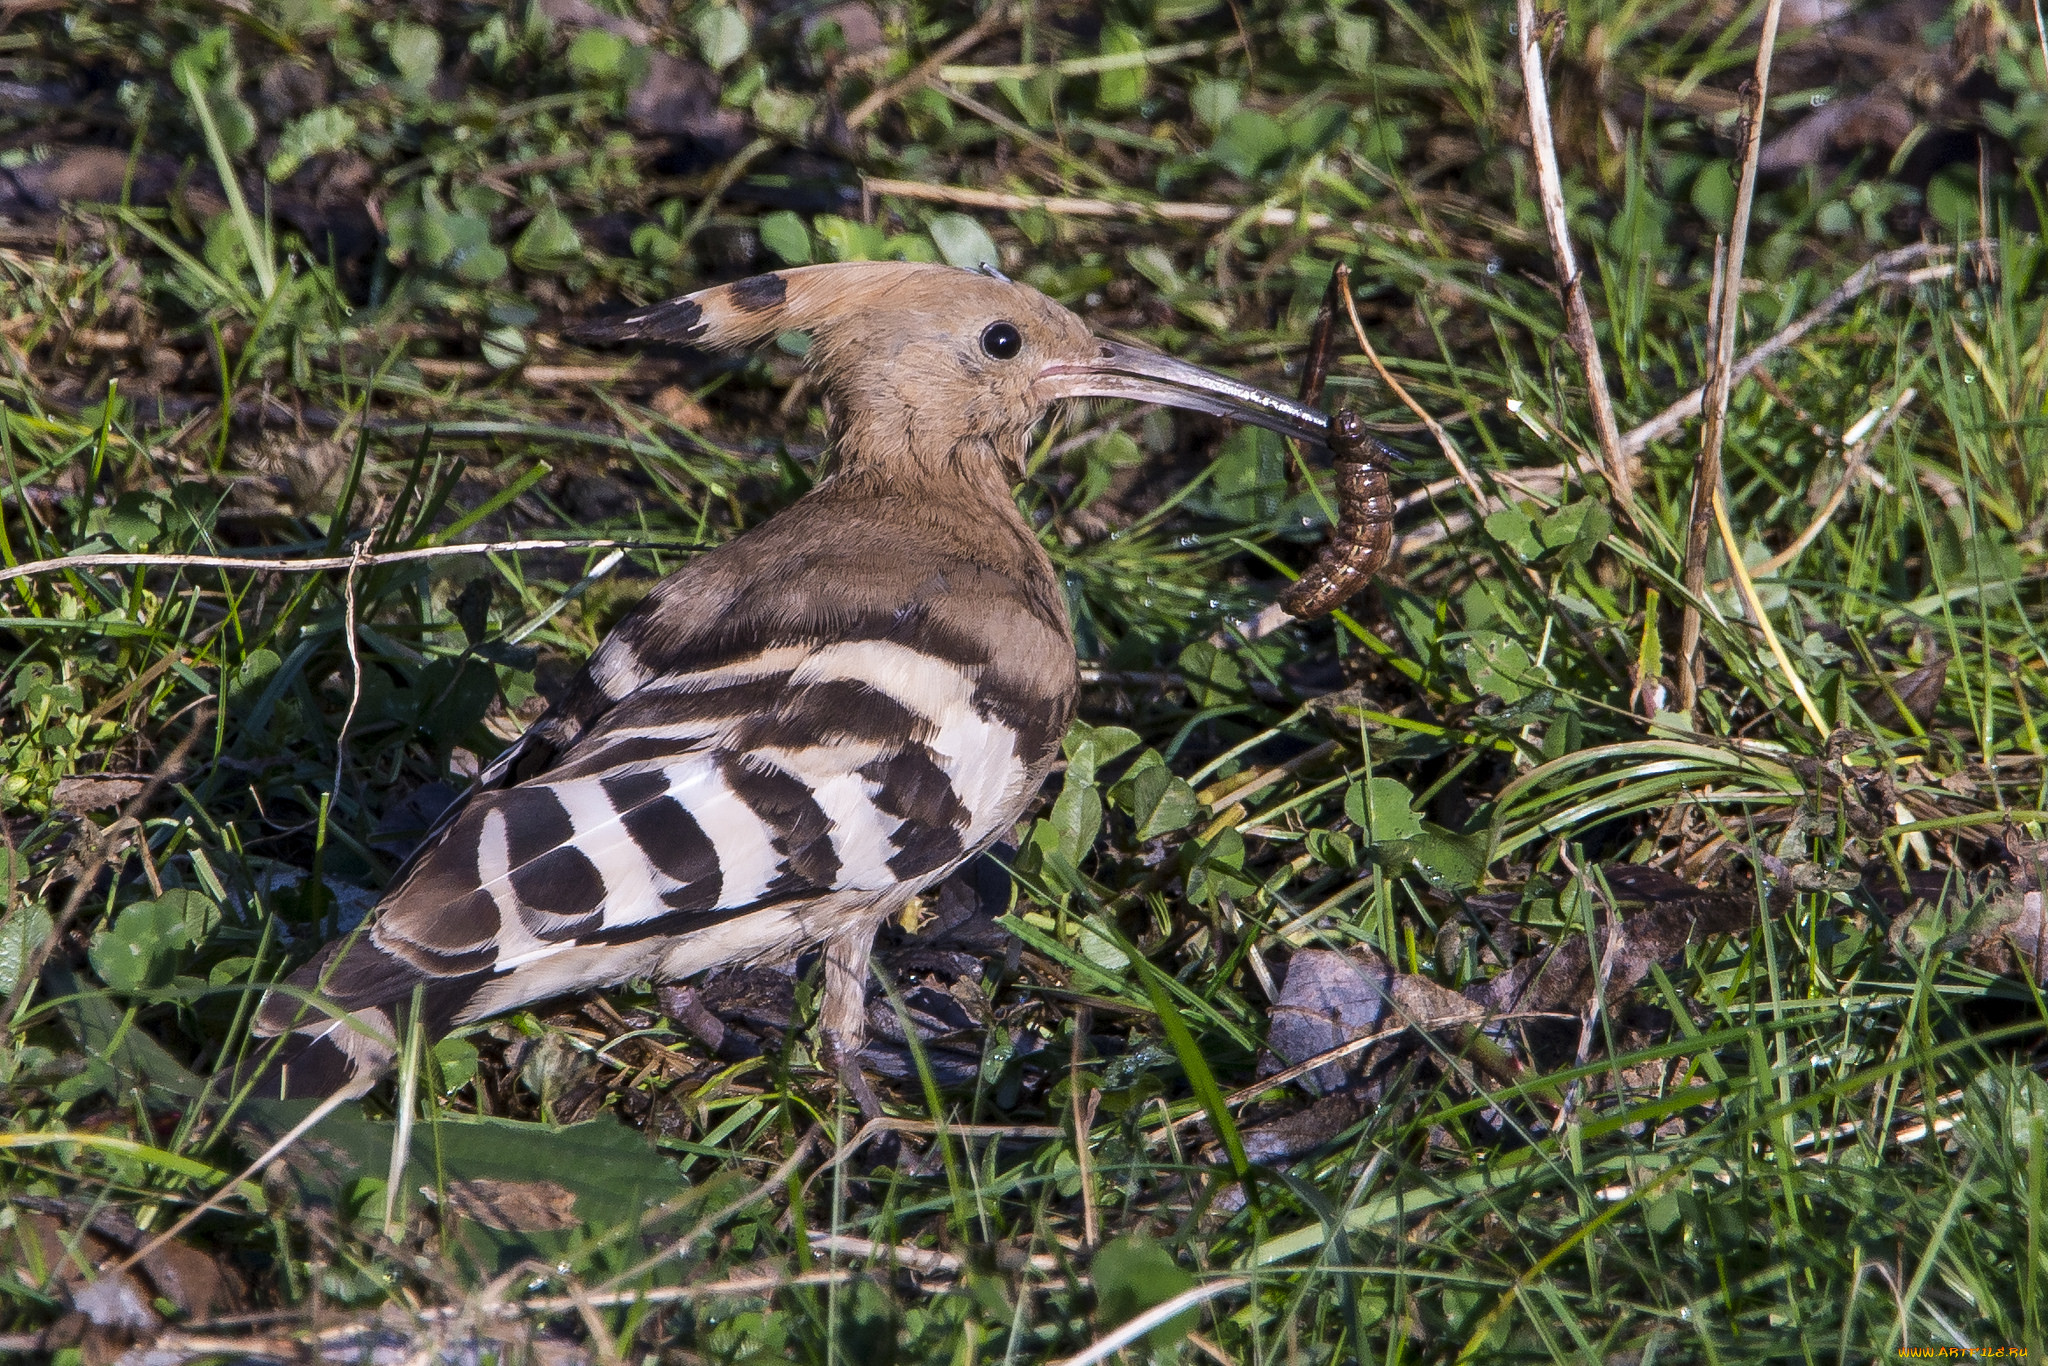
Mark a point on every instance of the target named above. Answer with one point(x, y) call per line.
point(143, 946)
point(479, 265)
point(1498, 665)
point(722, 36)
point(1713, 193)
point(1121, 89)
point(651, 242)
point(323, 130)
point(549, 242)
point(256, 667)
point(1132, 1274)
point(1380, 807)
point(1216, 867)
point(1157, 800)
point(22, 936)
point(784, 113)
point(1512, 528)
point(1576, 529)
point(784, 233)
point(136, 518)
point(596, 56)
point(1088, 748)
point(1416, 616)
point(849, 239)
point(457, 1059)
point(1952, 198)
point(1332, 848)
point(1381, 141)
point(1151, 261)
point(503, 347)
point(1315, 128)
point(1069, 831)
point(415, 52)
point(1356, 40)
point(964, 242)
point(1449, 862)
point(1214, 102)
point(456, 693)
point(1248, 142)
point(1835, 219)
point(1214, 677)
point(1100, 948)
point(211, 66)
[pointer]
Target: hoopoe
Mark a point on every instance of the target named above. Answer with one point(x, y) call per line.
point(795, 733)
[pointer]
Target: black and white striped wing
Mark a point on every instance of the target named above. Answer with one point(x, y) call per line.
point(866, 768)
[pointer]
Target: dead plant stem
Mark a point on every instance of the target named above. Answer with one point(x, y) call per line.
point(1579, 317)
point(1720, 377)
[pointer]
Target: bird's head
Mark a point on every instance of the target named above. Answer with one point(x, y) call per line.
point(931, 365)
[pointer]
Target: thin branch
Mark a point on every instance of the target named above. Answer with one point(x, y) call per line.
point(1889, 268)
point(314, 565)
point(1126, 1334)
point(929, 67)
point(1436, 429)
point(1720, 378)
point(1852, 466)
point(1550, 189)
point(355, 666)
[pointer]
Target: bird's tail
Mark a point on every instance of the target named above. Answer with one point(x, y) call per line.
point(334, 1024)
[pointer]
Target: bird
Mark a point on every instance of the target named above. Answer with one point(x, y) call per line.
point(795, 733)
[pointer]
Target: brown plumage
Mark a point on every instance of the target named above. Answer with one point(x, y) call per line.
point(795, 733)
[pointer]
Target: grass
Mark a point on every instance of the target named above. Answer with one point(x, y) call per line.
point(1793, 1110)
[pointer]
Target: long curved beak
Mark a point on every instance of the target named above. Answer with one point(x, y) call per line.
point(1119, 371)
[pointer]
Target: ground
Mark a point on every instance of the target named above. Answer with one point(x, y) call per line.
point(1640, 1027)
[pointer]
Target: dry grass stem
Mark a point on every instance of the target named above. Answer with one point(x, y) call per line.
point(999, 17)
point(1720, 377)
point(314, 565)
point(1852, 466)
point(1893, 267)
point(1733, 546)
point(1436, 429)
point(1550, 190)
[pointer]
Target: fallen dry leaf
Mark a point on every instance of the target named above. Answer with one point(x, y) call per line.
point(674, 402)
point(509, 1206)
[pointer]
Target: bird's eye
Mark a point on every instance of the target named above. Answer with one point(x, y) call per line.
point(1002, 341)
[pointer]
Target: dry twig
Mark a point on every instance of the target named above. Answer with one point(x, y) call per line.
point(1550, 189)
point(1852, 466)
point(1720, 378)
point(1893, 267)
point(1436, 429)
point(960, 42)
point(314, 565)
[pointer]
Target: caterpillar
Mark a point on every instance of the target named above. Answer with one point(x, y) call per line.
point(1364, 539)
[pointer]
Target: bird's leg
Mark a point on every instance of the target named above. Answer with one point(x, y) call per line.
point(842, 1017)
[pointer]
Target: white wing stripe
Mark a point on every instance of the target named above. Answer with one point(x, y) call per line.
point(629, 875)
point(860, 832)
point(747, 861)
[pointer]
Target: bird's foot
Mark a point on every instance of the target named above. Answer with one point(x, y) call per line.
point(842, 1056)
